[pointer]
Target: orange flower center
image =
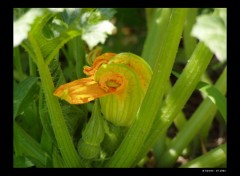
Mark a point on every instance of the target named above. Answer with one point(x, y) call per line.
point(112, 83)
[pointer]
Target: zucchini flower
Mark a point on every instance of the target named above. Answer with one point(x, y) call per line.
point(120, 82)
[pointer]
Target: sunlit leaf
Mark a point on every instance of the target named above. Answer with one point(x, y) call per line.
point(22, 26)
point(211, 29)
point(97, 33)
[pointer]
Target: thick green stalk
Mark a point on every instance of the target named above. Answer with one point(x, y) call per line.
point(179, 94)
point(180, 120)
point(189, 42)
point(205, 112)
point(134, 140)
point(156, 34)
point(211, 159)
point(149, 16)
point(79, 56)
point(61, 132)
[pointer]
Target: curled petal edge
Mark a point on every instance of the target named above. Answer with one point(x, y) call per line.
point(103, 59)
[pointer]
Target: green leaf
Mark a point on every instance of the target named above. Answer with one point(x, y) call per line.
point(97, 33)
point(22, 26)
point(21, 162)
point(211, 30)
point(72, 116)
point(57, 159)
point(222, 13)
point(61, 28)
point(62, 135)
point(29, 146)
point(92, 16)
point(50, 47)
point(30, 121)
point(24, 94)
point(46, 142)
point(96, 25)
point(45, 119)
point(215, 96)
point(26, 22)
point(71, 16)
point(107, 13)
point(50, 34)
point(19, 12)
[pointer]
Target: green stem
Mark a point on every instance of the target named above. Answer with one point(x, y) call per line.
point(211, 159)
point(180, 120)
point(189, 41)
point(205, 112)
point(149, 16)
point(17, 63)
point(156, 35)
point(134, 140)
point(179, 94)
point(79, 56)
point(67, 56)
point(160, 147)
point(62, 135)
point(32, 66)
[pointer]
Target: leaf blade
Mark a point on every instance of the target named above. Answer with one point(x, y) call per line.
point(215, 96)
point(23, 94)
point(211, 29)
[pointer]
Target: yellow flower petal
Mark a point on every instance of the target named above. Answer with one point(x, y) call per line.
point(103, 59)
point(81, 91)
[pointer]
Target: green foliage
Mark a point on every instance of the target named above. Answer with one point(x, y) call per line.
point(211, 29)
point(202, 114)
point(22, 162)
point(24, 94)
point(216, 97)
point(23, 24)
point(51, 46)
point(29, 147)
